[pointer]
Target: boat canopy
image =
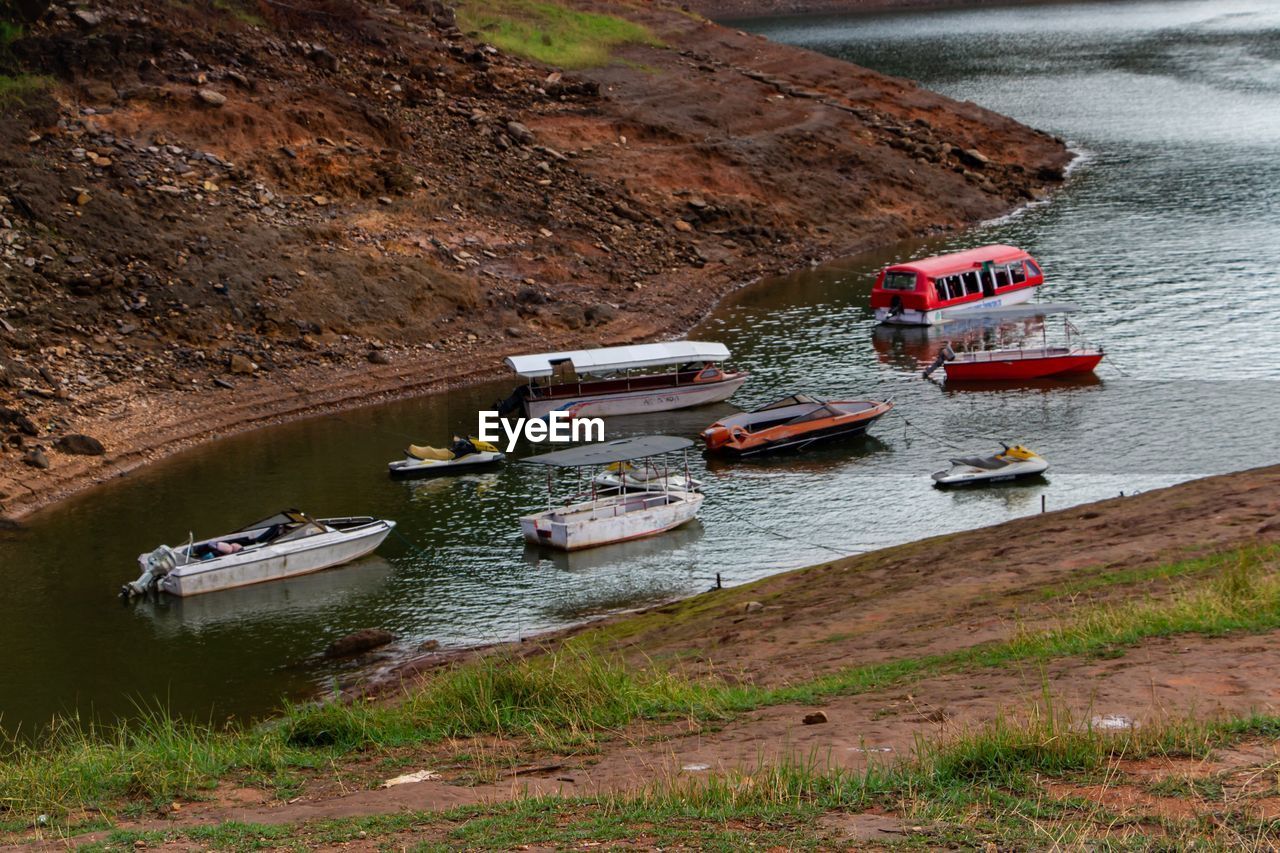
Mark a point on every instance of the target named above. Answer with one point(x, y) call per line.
point(609, 359)
point(607, 452)
point(961, 261)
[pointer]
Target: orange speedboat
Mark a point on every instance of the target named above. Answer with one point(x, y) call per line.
point(792, 423)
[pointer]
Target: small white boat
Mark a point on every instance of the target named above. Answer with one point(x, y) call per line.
point(622, 380)
point(1008, 464)
point(464, 455)
point(617, 516)
point(282, 546)
point(645, 477)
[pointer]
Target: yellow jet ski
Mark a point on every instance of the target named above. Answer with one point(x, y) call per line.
point(1010, 463)
point(464, 454)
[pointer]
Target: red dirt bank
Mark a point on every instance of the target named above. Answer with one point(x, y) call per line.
point(211, 225)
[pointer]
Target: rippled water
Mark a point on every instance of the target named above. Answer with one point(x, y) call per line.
point(1168, 235)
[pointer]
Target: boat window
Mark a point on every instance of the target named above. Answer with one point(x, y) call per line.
point(955, 286)
point(940, 287)
point(899, 281)
point(1017, 274)
point(971, 283)
point(1032, 269)
point(1002, 276)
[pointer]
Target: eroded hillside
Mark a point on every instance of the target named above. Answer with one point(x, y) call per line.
point(214, 214)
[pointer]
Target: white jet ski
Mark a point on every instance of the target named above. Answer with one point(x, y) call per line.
point(465, 454)
point(1008, 464)
point(644, 478)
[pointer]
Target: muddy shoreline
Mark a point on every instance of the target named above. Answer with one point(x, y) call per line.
point(188, 255)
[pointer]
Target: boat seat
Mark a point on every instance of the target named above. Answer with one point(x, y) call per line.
point(426, 454)
point(989, 463)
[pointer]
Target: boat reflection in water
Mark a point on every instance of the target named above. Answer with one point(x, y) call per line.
point(278, 602)
point(912, 348)
point(617, 555)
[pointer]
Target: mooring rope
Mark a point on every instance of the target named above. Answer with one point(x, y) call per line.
point(781, 535)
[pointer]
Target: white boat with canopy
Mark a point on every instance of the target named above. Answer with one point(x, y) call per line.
point(618, 516)
point(624, 380)
point(288, 543)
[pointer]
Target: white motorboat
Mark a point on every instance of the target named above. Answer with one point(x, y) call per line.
point(645, 477)
point(621, 380)
point(619, 516)
point(1010, 463)
point(465, 454)
point(282, 546)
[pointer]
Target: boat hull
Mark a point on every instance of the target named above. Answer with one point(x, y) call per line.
point(274, 562)
point(412, 468)
point(1013, 367)
point(959, 476)
point(935, 316)
point(639, 401)
point(620, 518)
point(721, 439)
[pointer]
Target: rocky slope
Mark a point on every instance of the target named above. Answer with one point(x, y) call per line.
point(215, 215)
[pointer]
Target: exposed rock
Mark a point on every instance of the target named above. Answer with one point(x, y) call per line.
point(973, 158)
point(324, 58)
point(752, 607)
point(212, 98)
point(18, 421)
point(377, 356)
point(36, 459)
point(361, 641)
point(682, 225)
point(600, 312)
point(428, 645)
point(814, 718)
point(79, 445)
point(519, 132)
point(573, 316)
point(240, 364)
point(86, 18)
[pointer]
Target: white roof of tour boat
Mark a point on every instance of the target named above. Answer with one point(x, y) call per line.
point(618, 358)
point(608, 452)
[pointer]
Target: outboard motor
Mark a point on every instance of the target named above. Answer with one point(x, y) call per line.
point(155, 566)
point(514, 402)
point(944, 355)
point(895, 308)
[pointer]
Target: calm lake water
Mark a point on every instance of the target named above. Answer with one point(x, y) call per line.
point(1168, 235)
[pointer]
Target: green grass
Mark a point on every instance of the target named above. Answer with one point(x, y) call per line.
point(15, 90)
point(1161, 571)
point(549, 32)
point(566, 700)
point(983, 785)
point(240, 12)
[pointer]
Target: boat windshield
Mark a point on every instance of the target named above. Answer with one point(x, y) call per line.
point(793, 400)
point(284, 517)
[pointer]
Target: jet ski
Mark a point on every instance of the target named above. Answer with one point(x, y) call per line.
point(1008, 464)
point(644, 478)
point(464, 454)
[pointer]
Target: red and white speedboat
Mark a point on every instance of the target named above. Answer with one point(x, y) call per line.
point(1001, 365)
point(933, 290)
point(1019, 363)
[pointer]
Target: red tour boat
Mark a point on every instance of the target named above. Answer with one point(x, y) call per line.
point(932, 290)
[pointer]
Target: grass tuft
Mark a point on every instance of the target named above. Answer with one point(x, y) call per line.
point(550, 32)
